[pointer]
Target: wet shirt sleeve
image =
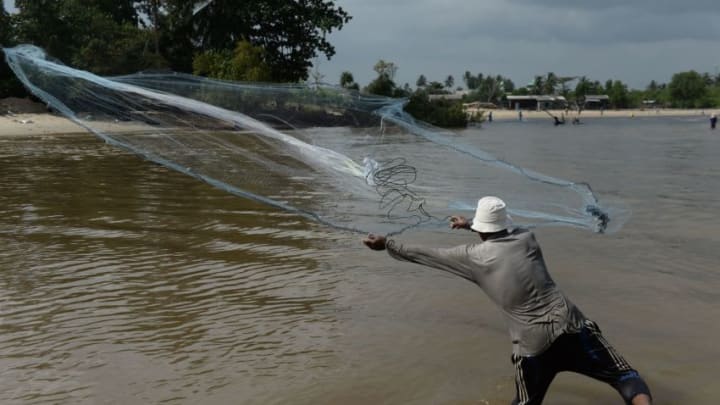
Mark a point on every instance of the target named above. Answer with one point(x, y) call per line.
point(452, 260)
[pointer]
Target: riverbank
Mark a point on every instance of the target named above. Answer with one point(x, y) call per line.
point(512, 115)
point(21, 117)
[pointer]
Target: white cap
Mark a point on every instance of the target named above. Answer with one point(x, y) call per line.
point(491, 216)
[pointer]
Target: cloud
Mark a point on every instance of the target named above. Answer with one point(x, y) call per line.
point(544, 20)
point(632, 41)
point(667, 7)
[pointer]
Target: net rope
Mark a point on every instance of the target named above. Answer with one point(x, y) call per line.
point(349, 161)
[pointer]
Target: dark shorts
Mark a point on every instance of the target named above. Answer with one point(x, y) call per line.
point(586, 352)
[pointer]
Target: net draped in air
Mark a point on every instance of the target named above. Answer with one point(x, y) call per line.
point(346, 160)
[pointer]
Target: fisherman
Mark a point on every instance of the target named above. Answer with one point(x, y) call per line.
point(549, 334)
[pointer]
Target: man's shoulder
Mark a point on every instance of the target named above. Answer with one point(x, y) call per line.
point(521, 233)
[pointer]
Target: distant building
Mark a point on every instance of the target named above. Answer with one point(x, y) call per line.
point(479, 105)
point(596, 102)
point(457, 95)
point(536, 102)
point(650, 103)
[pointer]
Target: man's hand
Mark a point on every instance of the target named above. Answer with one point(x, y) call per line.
point(459, 222)
point(375, 242)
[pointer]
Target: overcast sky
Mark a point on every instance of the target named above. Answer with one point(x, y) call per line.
point(631, 40)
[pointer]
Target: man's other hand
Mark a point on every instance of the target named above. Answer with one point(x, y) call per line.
point(375, 242)
point(459, 222)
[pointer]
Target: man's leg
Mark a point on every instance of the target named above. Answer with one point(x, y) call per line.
point(593, 356)
point(533, 376)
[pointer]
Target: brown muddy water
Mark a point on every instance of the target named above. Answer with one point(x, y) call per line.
point(122, 282)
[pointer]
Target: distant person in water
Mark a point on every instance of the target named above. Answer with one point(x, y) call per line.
point(549, 333)
point(559, 121)
point(519, 115)
point(713, 121)
point(490, 116)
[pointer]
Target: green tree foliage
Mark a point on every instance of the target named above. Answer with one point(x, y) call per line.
point(5, 27)
point(582, 88)
point(435, 87)
point(449, 81)
point(608, 86)
point(550, 84)
point(348, 81)
point(585, 87)
point(384, 84)
point(440, 112)
point(470, 81)
point(619, 95)
point(538, 85)
point(245, 63)
point(655, 92)
point(421, 81)
point(383, 68)
point(117, 36)
point(688, 90)
point(46, 24)
point(291, 33)
point(652, 88)
point(563, 83)
point(508, 85)
point(98, 35)
point(487, 88)
point(9, 84)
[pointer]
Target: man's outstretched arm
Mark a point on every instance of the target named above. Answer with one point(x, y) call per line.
point(453, 260)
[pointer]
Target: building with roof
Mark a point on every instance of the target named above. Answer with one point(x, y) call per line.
point(536, 102)
point(596, 102)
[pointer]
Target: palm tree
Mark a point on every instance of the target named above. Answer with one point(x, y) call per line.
point(449, 82)
point(563, 84)
point(538, 85)
point(551, 82)
point(581, 89)
point(470, 80)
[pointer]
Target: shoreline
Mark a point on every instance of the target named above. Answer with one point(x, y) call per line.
point(512, 115)
point(42, 124)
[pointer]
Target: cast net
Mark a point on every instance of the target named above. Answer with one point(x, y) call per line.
point(346, 160)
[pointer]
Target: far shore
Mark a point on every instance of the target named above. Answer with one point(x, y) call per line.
point(45, 124)
point(512, 115)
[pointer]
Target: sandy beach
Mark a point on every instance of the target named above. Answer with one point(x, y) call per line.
point(22, 117)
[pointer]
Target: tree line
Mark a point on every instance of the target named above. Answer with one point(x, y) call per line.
point(276, 41)
point(688, 89)
point(237, 40)
point(685, 90)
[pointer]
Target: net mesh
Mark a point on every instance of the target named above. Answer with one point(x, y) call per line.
point(347, 160)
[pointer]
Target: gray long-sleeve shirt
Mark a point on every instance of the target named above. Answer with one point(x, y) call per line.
point(511, 271)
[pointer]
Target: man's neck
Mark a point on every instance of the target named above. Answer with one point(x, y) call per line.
point(494, 235)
